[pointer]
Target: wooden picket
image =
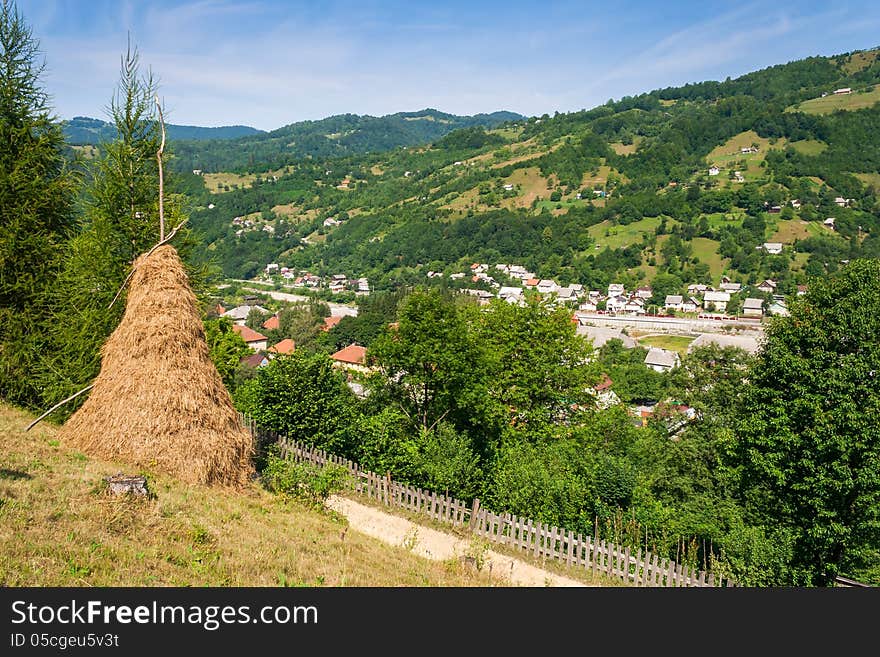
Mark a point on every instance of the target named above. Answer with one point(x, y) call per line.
point(531, 537)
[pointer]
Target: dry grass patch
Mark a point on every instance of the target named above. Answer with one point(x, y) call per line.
point(59, 527)
point(870, 179)
point(530, 185)
point(845, 102)
point(859, 61)
point(216, 183)
point(625, 149)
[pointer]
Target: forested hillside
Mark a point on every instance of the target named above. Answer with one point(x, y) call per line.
point(686, 183)
point(335, 136)
point(82, 131)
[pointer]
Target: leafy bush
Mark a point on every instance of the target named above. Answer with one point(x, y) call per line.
point(303, 481)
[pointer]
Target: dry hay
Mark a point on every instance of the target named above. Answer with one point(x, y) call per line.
point(159, 401)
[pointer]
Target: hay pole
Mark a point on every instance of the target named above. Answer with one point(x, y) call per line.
point(61, 403)
point(146, 255)
point(159, 154)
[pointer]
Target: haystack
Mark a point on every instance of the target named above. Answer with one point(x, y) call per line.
point(159, 401)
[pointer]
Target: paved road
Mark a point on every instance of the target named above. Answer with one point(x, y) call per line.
point(336, 309)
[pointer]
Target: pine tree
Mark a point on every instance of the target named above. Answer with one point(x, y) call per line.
point(37, 190)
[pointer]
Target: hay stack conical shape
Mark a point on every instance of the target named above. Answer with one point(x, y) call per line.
point(159, 401)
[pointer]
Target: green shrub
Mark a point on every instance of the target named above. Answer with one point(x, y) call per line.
point(303, 481)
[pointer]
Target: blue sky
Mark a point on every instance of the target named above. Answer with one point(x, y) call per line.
point(267, 63)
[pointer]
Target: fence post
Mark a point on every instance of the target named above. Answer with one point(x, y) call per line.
point(475, 509)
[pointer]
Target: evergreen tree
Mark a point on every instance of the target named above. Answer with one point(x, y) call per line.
point(36, 200)
point(121, 210)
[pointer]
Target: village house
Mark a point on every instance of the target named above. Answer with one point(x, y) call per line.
point(714, 171)
point(829, 222)
point(716, 299)
point(273, 323)
point(547, 286)
point(602, 391)
point(510, 294)
point(644, 292)
point(255, 360)
point(843, 91)
point(635, 306)
point(662, 360)
point(353, 357)
point(753, 307)
point(673, 302)
point(330, 322)
point(285, 346)
point(768, 285)
point(773, 248)
point(733, 288)
point(252, 338)
point(239, 314)
point(616, 289)
point(616, 304)
point(697, 288)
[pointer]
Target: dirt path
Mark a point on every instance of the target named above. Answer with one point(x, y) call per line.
point(433, 544)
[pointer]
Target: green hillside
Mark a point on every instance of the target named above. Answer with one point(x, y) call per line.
point(335, 136)
point(82, 130)
point(624, 191)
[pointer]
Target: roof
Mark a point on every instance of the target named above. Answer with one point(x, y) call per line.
point(272, 324)
point(599, 335)
point(353, 353)
point(746, 342)
point(248, 334)
point(673, 299)
point(286, 346)
point(604, 384)
point(712, 295)
point(242, 312)
point(753, 303)
point(661, 357)
point(254, 360)
point(532, 281)
point(331, 321)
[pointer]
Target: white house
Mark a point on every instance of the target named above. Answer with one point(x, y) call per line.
point(753, 307)
point(661, 360)
point(717, 299)
point(510, 294)
point(616, 304)
point(714, 171)
point(616, 289)
point(843, 91)
point(773, 248)
point(768, 285)
point(547, 286)
point(673, 302)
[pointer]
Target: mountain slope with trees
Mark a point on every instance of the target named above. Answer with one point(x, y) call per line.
point(686, 182)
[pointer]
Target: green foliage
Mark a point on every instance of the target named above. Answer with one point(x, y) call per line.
point(808, 436)
point(303, 481)
point(227, 349)
point(36, 198)
point(302, 396)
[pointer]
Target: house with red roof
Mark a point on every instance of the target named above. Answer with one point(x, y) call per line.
point(352, 357)
point(272, 324)
point(330, 322)
point(253, 339)
point(286, 346)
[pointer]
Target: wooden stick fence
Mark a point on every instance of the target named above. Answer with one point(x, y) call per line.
point(531, 538)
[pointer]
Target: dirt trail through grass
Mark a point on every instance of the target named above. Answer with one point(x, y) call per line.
point(432, 544)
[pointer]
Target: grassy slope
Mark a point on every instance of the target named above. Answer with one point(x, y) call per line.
point(59, 528)
point(830, 103)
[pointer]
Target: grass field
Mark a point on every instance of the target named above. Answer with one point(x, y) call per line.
point(60, 527)
point(789, 230)
point(809, 146)
point(625, 149)
point(620, 236)
point(679, 343)
point(869, 179)
point(854, 101)
point(216, 182)
point(531, 185)
point(707, 251)
point(728, 157)
point(859, 61)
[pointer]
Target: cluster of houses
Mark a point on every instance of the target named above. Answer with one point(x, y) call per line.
point(700, 298)
point(335, 283)
point(351, 358)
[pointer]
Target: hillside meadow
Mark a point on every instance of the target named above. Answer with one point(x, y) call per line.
point(60, 527)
